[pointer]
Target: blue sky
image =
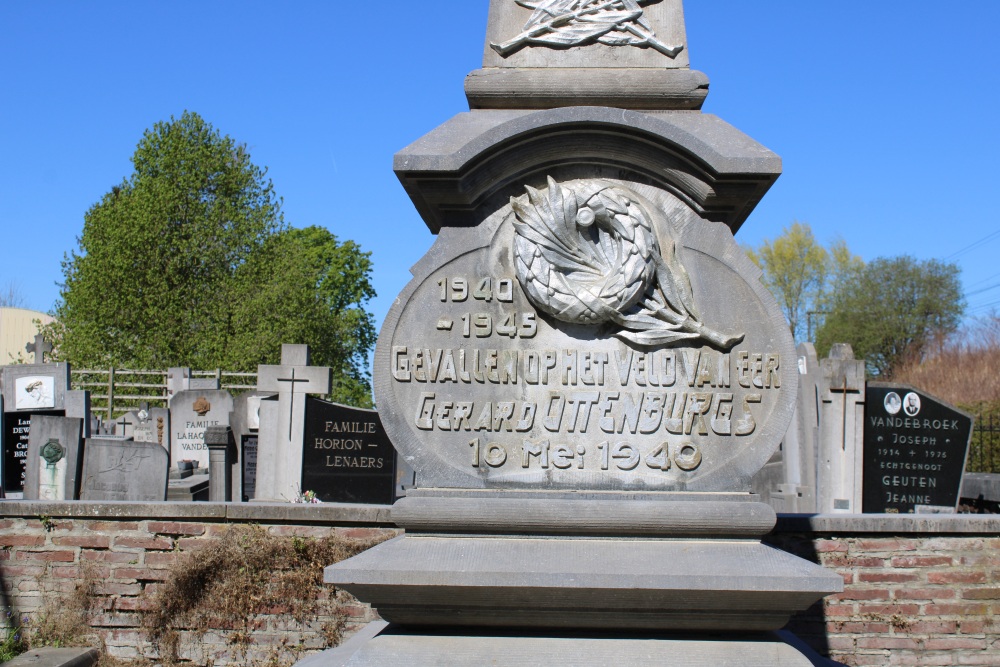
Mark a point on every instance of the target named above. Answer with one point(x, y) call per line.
point(885, 114)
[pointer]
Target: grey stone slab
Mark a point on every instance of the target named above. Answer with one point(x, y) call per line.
point(56, 657)
point(202, 384)
point(339, 514)
point(123, 470)
point(976, 484)
point(189, 489)
point(540, 88)
point(606, 516)
point(78, 406)
point(499, 390)
point(471, 165)
point(114, 509)
point(149, 425)
point(393, 646)
point(890, 524)
point(55, 458)
point(664, 21)
point(709, 585)
point(191, 412)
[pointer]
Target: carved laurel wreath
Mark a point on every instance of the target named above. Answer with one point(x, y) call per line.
point(585, 252)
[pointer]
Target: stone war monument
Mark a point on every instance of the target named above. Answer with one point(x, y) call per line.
point(585, 371)
point(915, 451)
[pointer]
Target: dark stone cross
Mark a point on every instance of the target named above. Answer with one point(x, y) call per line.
point(39, 348)
point(291, 406)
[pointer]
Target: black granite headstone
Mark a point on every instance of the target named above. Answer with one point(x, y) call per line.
point(248, 447)
point(347, 456)
point(915, 448)
point(16, 427)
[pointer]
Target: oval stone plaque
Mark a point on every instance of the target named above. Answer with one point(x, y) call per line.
point(593, 334)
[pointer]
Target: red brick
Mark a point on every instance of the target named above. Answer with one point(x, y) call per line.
point(109, 588)
point(839, 610)
point(365, 533)
point(920, 561)
point(160, 559)
point(924, 593)
point(141, 574)
point(955, 610)
point(888, 643)
point(857, 627)
point(889, 609)
point(828, 546)
point(175, 528)
point(887, 577)
point(22, 570)
point(861, 594)
point(952, 643)
point(886, 545)
point(302, 531)
point(981, 593)
point(151, 543)
point(53, 556)
point(972, 627)
point(133, 604)
point(21, 540)
point(111, 526)
point(6, 523)
point(959, 577)
point(85, 541)
point(109, 556)
point(193, 543)
point(932, 628)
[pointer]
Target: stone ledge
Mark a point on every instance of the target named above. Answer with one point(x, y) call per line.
point(55, 657)
point(860, 524)
point(370, 515)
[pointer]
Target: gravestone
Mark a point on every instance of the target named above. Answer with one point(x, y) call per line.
point(55, 458)
point(29, 390)
point(245, 422)
point(146, 425)
point(282, 421)
point(585, 371)
point(118, 469)
point(915, 450)
point(191, 412)
point(347, 456)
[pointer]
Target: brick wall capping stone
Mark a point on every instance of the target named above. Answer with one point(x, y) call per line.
point(56, 657)
point(591, 517)
point(896, 524)
point(368, 515)
point(602, 584)
point(543, 88)
point(383, 646)
point(470, 166)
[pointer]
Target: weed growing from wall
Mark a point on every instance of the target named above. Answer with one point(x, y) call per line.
point(231, 586)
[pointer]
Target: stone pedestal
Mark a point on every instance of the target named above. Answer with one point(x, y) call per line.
point(221, 451)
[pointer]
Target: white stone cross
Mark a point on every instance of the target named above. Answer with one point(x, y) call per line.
point(282, 426)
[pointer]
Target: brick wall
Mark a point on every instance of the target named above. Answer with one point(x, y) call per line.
point(918, 591)
point(45, 557)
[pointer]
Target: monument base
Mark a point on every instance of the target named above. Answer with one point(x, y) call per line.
point(381, 644)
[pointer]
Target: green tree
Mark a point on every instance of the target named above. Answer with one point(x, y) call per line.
point(795, 269)
point(890, 309)
point(188, 262)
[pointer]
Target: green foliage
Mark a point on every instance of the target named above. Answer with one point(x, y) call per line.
point(890, 309)
point(12, 644)
point(797, 271)
point(188, 262)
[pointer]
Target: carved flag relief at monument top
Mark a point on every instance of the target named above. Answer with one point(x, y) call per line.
point(844, 93)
